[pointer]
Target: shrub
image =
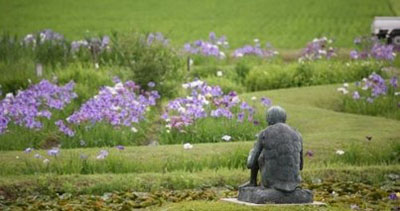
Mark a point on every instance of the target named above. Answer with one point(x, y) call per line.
point(150, 62)
point(270, 77)
point(16, 76)
point(242, 69)
point(226, 84)
point(274, 76)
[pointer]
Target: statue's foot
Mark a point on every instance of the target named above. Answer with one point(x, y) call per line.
point(248, 184)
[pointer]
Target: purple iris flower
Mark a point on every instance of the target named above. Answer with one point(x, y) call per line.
point(265, 101)
point(212, 36)
point(151, 84)
point(393, 196)
point(357, 40)
point(394, 82)
point(354, 54)
point(28, 150)
point(240, 116)
point(120, 147)
point(356, 95)
point(54, 152)
point(102, 155)
point(150, 38)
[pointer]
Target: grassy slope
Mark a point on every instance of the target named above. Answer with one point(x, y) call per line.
point(286, 24)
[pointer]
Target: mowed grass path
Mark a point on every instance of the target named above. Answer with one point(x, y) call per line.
point(284, 23)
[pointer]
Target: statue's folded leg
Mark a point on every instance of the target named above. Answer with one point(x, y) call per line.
point(253, 177)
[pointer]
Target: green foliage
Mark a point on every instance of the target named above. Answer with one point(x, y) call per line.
point(242, 69)
point(154, 62)
point(270, 77)
point(50, 52)
point(16, 76)
point(203, 71)
point(11, 49)
point(274, 76)
point(225, 83)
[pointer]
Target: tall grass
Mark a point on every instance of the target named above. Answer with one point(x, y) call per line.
point(83, 161)
point(367, 154)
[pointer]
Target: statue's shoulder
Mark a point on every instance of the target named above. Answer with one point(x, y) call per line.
point(278, 127)
point(297, 132)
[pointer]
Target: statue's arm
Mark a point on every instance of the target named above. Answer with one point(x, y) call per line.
point(252, 160)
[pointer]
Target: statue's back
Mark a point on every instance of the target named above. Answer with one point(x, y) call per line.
point(280, 159)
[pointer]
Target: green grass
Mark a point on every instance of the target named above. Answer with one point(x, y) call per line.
point(286, 24)
point(179, 180)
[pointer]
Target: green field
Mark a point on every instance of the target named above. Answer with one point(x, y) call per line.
point(286, 24)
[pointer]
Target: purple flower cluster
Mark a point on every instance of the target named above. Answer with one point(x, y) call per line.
point(373, 87)
point(255, 50)
point(158, 37)
point(27, 106)
point(54, 151)
point(208, 48)
point(95, 45)
point(122, 104)
point(317, 49)
point(46, 35)
point(371, 47)
point(376, 84)
point(206, 101)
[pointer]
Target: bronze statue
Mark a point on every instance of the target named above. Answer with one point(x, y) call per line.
point(278, 155)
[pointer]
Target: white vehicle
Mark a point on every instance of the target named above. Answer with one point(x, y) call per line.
point(387, 28)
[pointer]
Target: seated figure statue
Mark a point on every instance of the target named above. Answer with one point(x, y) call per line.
point(278, 155)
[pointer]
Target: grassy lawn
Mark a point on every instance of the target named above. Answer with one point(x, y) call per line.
point(286, 24)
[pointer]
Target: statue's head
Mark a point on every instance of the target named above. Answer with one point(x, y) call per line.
point(276, 114)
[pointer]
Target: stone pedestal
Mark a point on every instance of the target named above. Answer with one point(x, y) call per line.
point(260, 195)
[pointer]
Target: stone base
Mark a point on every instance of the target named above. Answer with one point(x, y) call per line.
point(260, 195)
point(236, 201)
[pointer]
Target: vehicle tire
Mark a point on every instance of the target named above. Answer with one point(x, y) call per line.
point(396, 40)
